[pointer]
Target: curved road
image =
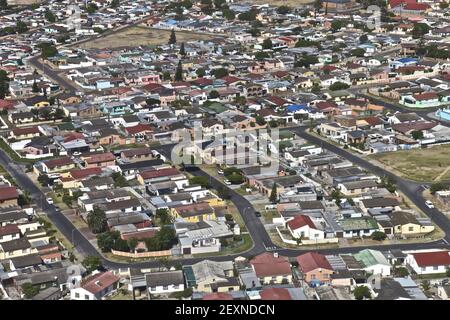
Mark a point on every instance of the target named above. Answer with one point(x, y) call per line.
point(261, 239)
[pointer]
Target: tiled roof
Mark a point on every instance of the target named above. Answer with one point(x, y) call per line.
point(312, 260)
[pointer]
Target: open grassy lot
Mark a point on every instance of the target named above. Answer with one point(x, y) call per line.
point(431, 164)
point(140, 36)
point(291, 3)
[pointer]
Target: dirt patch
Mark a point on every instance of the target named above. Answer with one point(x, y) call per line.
point(422, 165)
point(141, 36)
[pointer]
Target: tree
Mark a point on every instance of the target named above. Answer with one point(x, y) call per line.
point(163, 217)
point(283, 9)
point(223, 193)
point(417, 134)
point(419, 30)
point(378, 236)
point(91, 8)
point(23, 200)
point(337, 25)
point(96, 221)
point(220, 73)
point(248, 15)
point(261, 55)
point(363, 38)
point(182, 50)
point(315, 88)
point(91, 263)
point(21, 27)
point(213, 94)
point(29, 290)
point(172, 38)
point(3, 4)
point(119, 180)
point(362, 292)
point(447, 272)
point(339, 86)
point(44, 180)
point(401, 272)
point(4, 84)
point(358, 52)
point(132, 244)
point(267, 44)
point(228, 14)
point(306, 61)
point(317, 7)
point(47, 50)
point(179, 72)
point(106, 240)
point(200, 72)
point(388, 183)
point(35, 87)
point(336, 195)
point(201, 181)
point(115, 3)
point(426, 285)
point(273, 194)
point(437, 187)
point(49, 16)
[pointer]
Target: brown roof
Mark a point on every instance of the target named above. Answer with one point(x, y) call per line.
point(9, 229)
point(275, 294)
point(168, 172)
point(188, 210)
point(83, 173)
point(58, 162)
point(23, 131)
point(101, 157)
point(266, 265)
point(99, 282)
point(311, 261)
point(8, 193)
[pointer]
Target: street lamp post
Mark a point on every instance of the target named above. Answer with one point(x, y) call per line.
point(246, 210)
point(73, 243)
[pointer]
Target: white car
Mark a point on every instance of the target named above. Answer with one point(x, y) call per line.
point(50, 200)
point(220, 171)
point(429, 204)
point(226, 181)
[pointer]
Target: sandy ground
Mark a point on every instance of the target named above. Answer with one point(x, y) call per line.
point(140, 35)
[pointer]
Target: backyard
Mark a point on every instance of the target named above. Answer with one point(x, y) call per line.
point(140, 36)
point(431, 164)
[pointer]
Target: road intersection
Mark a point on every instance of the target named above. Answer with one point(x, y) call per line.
point(261, 239)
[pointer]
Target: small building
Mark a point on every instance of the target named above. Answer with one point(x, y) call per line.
point(95, 287)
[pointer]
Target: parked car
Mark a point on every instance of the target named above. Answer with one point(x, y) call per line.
point(50, 200)
point(226, 181)
point(258, 214)
point(220, 171)
point(429, 204)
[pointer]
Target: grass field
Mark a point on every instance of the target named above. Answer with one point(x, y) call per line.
point(140, 36)
point(291, 3)
point(425, 165)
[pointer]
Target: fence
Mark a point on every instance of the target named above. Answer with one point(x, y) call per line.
point(150, 254)
point(306, 241)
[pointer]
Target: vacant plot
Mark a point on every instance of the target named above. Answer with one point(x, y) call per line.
point(426, 165)
point(290, 3)
point(141, 36)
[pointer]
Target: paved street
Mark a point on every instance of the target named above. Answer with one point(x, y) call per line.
point(254, 225)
